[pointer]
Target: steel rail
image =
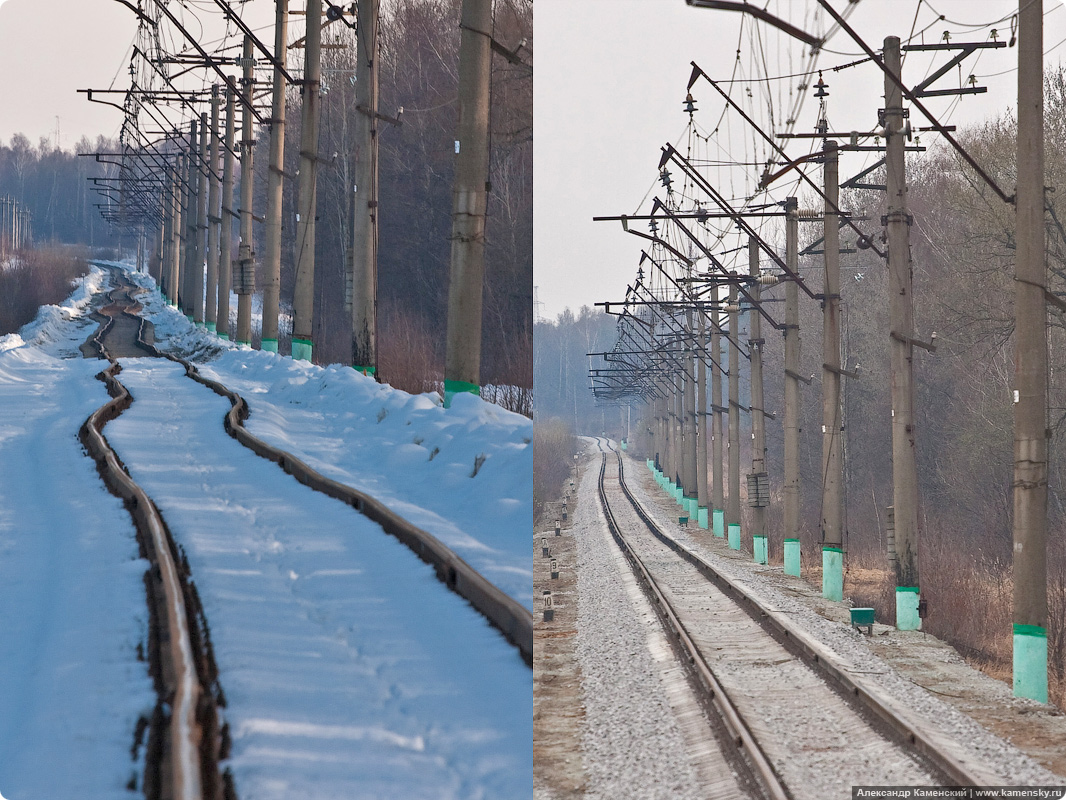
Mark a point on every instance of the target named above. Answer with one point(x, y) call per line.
point(820, 657)
point(186, 735)
point(505, 613)
point(714, 694)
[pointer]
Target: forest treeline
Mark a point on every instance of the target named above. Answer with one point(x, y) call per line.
point(53, 184)
point(418, 73)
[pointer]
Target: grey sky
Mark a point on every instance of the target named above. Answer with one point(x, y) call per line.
point(49, 50)
point(611, 77)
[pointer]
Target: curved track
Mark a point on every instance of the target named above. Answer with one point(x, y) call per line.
point(784, 704)
point(184, 750)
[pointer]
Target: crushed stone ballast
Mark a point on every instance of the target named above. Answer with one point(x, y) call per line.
point(673, 574)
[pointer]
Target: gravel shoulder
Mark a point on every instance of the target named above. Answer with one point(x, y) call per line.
point(612, 717)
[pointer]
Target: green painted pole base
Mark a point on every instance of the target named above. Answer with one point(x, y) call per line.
point(760, 550)
point(832, 573)
point(452, 388)
point(701, 516)
point(211, 327)
point(301, 349)
point(692, 506)
point(1030, 662)
point(623, 447)
point(792, 557)
point(244, 342)
point(907, 618)
point(734, 535)
point(718, 523)
point(224, 336)
point(269, 345)
point(679, 495)
point(371, 371)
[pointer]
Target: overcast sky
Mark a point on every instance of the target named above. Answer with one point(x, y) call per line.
point(51, 48)
point(610, 82)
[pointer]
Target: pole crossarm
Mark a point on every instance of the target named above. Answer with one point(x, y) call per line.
point(697, 72)
point(910, 95)
point(669, 152)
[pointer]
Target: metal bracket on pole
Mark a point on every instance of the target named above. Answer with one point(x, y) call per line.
point(840, 371)
point(930, 346)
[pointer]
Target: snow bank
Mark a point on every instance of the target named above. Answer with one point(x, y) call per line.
point(465, 474)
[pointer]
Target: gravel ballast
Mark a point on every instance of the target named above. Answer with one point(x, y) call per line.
point(998, 758)
point(633, 745)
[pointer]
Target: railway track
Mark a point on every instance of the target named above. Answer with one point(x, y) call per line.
point(796, 724)
point(185, 742)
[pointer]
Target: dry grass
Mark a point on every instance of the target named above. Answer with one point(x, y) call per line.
point(408, 356)
point(411, 357)
point(33, 278)
point(553, 456)
point(970, 606)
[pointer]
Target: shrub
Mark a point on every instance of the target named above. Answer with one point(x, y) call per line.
point(553, 455)
point(33, 278)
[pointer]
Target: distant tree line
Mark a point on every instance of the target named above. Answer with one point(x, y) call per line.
point(53, 184)
point(561, 373)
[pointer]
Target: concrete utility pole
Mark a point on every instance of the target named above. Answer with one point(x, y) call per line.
point(791, 489)
point(363, 255)
point(901, 322)
point(701, 433)
point(167, 243)
point(225, 256)
point(732, 512)
point(178, 243)
point(191, 255)
point(1031, 430)
point(245, 281)
point(677, 444)
point(717, 429)
point(275, 185)
point(462, 366)
point(668, 438)
point(201, 225)
point(832, 455)
point(691, 470)
point(160, 251)
point(759, 481)
point(214, 218)
point(307, 193)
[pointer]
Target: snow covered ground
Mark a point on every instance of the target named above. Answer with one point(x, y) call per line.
point(71, 590)
point(349, 669)
point(406, 450)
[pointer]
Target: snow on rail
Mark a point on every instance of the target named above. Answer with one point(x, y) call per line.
point(462, 474)
point(350, 670)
